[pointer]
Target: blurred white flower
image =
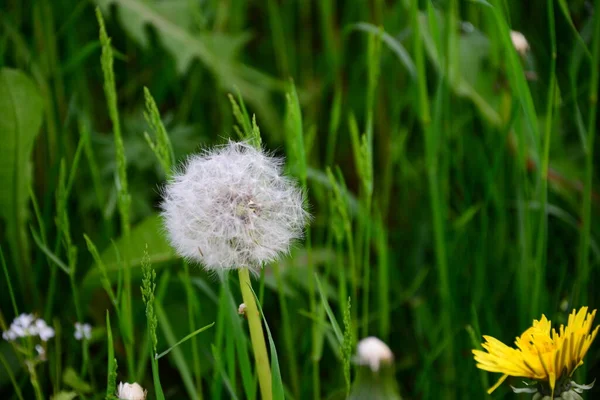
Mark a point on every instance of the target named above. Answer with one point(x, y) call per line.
point(373, 352)
point(131, 391)
point(242, 309)
point(28, 325)
point(521, 44)
point(43, 330)
point(83, 331)
point(231, 207)
point(41, 352)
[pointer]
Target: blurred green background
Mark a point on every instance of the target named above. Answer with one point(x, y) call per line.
point(471, 204)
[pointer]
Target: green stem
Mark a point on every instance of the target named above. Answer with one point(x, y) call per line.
point(257, 336)
point(35, 383)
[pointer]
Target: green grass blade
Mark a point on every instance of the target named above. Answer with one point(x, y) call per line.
point(9, 283)
point(177, 355)
point(61, 264)
point(111, 384)
point(184, 339)
point(336, 328)
point(278, 392)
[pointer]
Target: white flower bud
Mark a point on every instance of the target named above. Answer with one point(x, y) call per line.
point(373, 352)
point(131, 391)
point(521, 44)
point(231, 207)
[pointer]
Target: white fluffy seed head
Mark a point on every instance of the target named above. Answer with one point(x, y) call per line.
point(373, 352)
point(231, 208)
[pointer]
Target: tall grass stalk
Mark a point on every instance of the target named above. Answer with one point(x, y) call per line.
point(542, 233)
point(588, 148)
point(432, 137)
point(124, 199)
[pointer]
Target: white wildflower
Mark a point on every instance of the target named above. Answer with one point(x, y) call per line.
point(231, 207)
point(242, 309)
point(131, 391)
point(43, 330)
point(83, 331)
point(28, 325)
point(41, 352)
point(373, 352)
point(9, 335)
point(519, 42)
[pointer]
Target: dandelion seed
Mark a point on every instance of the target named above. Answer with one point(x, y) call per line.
point(543, 354)
point(82, 331)
point(131, 391)
point(232, 208)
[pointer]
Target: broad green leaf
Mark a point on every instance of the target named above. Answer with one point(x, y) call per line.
point(149, 231)
point(74, 381)
point(473, 49)
point(216, 51)
point(65, 396)
point(21, 106)
point(394, 45)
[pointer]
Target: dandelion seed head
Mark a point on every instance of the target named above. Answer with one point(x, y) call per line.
point(231, 207)
point(373, 352)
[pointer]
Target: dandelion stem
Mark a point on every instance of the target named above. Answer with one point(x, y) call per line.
point(257, 336)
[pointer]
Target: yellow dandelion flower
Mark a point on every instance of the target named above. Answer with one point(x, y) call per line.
point(541, 353)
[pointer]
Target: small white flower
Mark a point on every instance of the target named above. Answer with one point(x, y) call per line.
point(521, 44)
point(27, 325)
point(83, 331)
point(9, 335)
point(373, 352)
point(43, 330)
point(24, 320)
point(242, 309)
point(231, 207)
point(131, 391)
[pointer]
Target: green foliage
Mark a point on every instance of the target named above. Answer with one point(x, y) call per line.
point(111, 383)
point(148, 288)
point(452, 182)
point(20, 124)
point(162, 148)
point(348, 344)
